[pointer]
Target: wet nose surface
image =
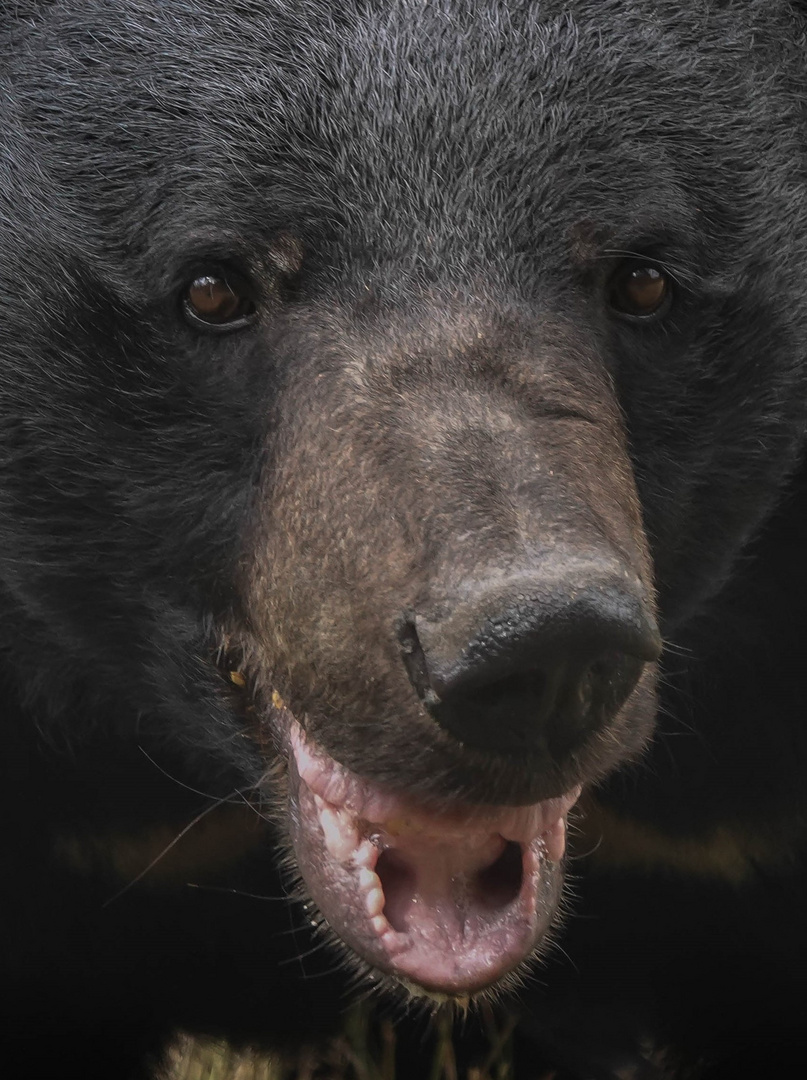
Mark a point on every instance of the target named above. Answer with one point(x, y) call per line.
point(530, 674)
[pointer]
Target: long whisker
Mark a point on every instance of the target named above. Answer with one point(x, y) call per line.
point(183, 832)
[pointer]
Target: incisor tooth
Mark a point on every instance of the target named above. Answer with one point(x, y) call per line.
point(374, 902)
point(365, 854)
point(340, 835)
point(368, 879)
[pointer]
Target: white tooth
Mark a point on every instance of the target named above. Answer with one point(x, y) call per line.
point(340, 836)
point(393, 942)
point(365, 855)
point(555, 840)
point(380, 925)
point(368, 879)
point(374, 903)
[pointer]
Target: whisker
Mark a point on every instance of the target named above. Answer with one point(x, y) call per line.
point(181, 783)
point(167, 848)
point(235, 892)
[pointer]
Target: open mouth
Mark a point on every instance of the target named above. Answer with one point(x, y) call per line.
point(448, 899)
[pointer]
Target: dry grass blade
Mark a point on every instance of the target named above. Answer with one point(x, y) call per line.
point(366, 1049)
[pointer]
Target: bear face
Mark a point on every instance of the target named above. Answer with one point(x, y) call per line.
point(413, 366)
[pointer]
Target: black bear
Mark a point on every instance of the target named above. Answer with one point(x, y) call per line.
point(401, 417)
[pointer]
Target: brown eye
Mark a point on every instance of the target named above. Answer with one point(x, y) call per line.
point(640, 291)
point(219, 302)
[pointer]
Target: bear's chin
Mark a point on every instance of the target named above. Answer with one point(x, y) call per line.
point(447, 899)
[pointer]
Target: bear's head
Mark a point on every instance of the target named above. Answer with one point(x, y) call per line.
point(377, 380)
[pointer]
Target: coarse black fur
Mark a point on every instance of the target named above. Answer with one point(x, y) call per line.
point(431, 202)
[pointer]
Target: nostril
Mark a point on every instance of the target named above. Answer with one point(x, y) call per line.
point(414, 660)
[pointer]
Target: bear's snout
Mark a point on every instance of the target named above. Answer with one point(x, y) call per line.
point(461, 602)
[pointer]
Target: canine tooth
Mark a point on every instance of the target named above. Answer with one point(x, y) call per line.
point(277, 700)
point(380, 925)
point(554, 840)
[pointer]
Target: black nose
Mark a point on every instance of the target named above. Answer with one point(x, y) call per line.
point(535, 669)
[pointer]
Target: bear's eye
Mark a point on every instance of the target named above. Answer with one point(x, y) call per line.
point(219, 301)
point(640, 290)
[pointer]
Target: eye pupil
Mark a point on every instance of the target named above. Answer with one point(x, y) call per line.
point(640, 291)
point(216, 301)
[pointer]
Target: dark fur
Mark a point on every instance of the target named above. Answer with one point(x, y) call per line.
point(461, 180)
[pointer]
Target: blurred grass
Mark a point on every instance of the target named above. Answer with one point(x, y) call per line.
point(364, 1050)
